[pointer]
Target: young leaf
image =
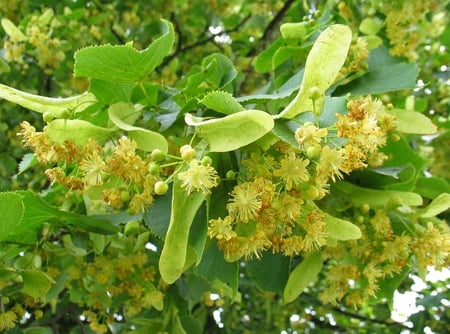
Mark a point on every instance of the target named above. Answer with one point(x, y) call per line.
point(36, 283)
point(173, 254)
point(76, 130)
point(304, 274)
point(413, 122)
point(321, 69)
point(56, 107)
point(123, 114)
point(232, 131)
point(123, 63)
point(222, 102)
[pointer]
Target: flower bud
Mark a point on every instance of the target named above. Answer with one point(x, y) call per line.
point(161, 188)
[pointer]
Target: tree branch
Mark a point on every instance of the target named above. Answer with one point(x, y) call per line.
point(271, 27)
point(181, 49)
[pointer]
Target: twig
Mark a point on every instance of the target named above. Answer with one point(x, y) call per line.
point(181, 49)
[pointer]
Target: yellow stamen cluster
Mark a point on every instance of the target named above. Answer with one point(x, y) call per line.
point(400, 22)
point(199, 177)
point(365, 126)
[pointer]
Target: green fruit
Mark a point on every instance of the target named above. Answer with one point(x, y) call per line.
point(132, 228)
point(154, 168)
point(158, 155)
point(207, 161)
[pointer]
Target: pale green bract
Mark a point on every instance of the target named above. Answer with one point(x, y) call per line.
point(233, 131)
point(322, 66)
point(123, 115)
point(294, 30)
point(55, 107)
point(304, 274)
point(14, 33)
point(413, 122)
point(173, 254)
point(77, 131)
point(340, 229)
point(378, 198)
point(440, 204)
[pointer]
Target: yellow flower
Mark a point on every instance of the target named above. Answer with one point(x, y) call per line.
point(316, 232)
point(289, 207)
point(245, 203)
point(94, 169)
point(292, 246)
point(199, 177)
point(221, 228)
point(7, 320)
point(331, 163)
point(255, 245)
point(293, 171)
point(309, 135)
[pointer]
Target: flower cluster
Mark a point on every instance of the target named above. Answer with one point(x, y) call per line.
point(272, 208)
point(382, 252)
point(401, 18)
point(124, 176)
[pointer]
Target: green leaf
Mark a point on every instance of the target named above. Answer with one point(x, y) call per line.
point(285, 130)
point(218, 69)
point(431, 187)
point(222, 102)
point(198, 234)
point(304, 274)
point(233, 131)
point(413, 122)
point(38, 211)
point(111, 92)
point(173, 254)
point(270, 273)
point(215, 270)
point(289, 87)
point(378, 198)
point(439, 205)
point(384, 78)
point(123, 63)
point(322, 66)
point(56, 107)
point(263, 62)
point(76, 130)
point(157, 217)
point(28, 161)
point(123, 114)
point(36, 283)
point(12, 209)
point(389, 285)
